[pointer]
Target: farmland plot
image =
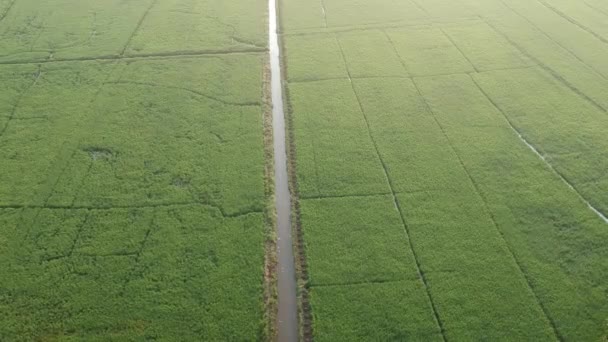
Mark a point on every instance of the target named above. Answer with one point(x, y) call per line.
point(37, 31)
point(132, 195)
point(447, 157)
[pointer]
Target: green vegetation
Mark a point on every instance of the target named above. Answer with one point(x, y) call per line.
point(132, 196)
point(340, 159)
point(450, 161)
point(205, 26)
point(579, 150)
point(38, 31)
point(175, 272)
point(345, 313)
point(364, 246)
point(412, 125)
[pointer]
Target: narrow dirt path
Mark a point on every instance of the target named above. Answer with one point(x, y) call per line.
point(287, 315)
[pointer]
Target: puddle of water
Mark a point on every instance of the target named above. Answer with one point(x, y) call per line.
point(287, 302)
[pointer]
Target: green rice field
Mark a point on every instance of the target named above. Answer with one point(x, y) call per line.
point(132, 188)
point(448, 164)
point(447, 154)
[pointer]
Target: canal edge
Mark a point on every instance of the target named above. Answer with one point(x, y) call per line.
point(288, 320)
point(304, 310)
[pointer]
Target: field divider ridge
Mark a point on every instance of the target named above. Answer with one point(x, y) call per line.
point(491, 215)
point(316, 163)
point(142, 206)
point(158, 55)
point(391, 24)
point(549, 70)
point(8, 9)
point(321, 197)
point(73, 243)
point(552, 40)
point(19, 99)
point(573, 21)
point(422, 9)
point(421, 274)
point(4, 129)
point(595, 8)
point(369, 282)
point(139, 23)
point(459, 49)
point(142, 245)
point(539, 154)
point(199, 93)
point(312, 80)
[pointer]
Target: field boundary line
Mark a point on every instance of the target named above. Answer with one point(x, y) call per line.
point(139, 23)
point(314, 160)
point(8, 9)
point(19, 99)
point(458, 48)
point(6, 125)
point(552, 72)
point(83, 181)
point(491, 216)
point(210, 97)
point(539, 154)
point(202, 53)
point(394, 24)
point(51, 191)
point(152, 226)
point(421, 275)
point(322, 197)
point(503, 69)
point(471, 72)
point(553, 40)
point(594, 7)
point(142, 206)
point(312, 30)
point(72, 247)
point(312, 80)
point(403, 64)
point(407, 192)
point(151, 56)
point(28, 229)
point(369, 282)
point(573, 21)
point(67, 151)
point(81, 228)
point(417, 5)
